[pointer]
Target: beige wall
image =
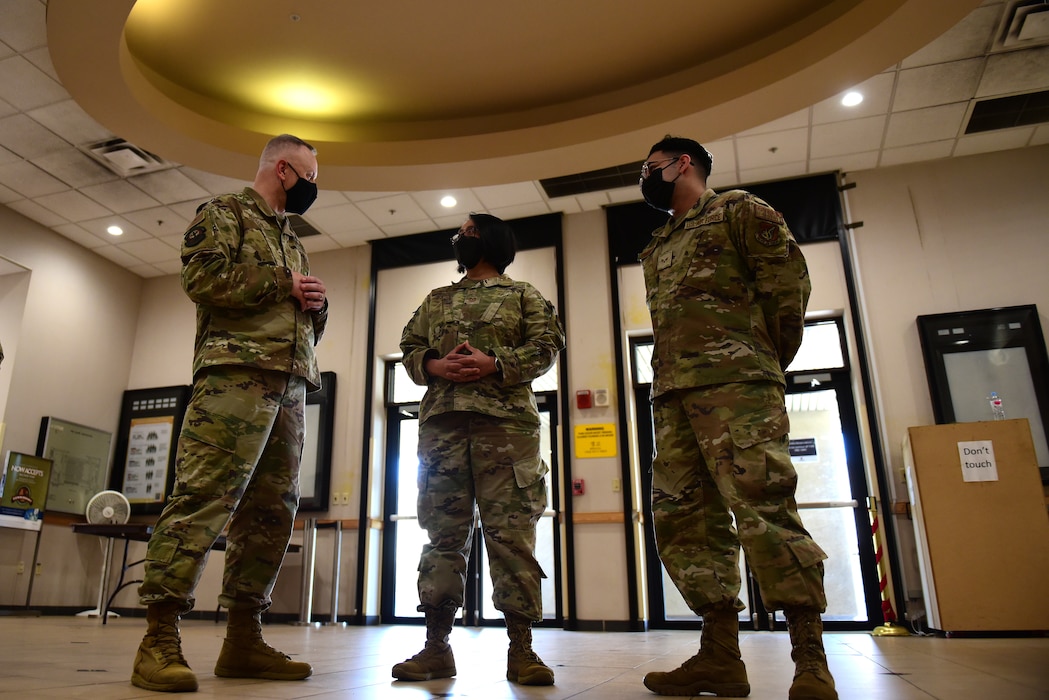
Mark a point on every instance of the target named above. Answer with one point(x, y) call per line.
point(943, 236)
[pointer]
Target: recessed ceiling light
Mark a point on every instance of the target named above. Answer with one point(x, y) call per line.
point(115, 231)
point(851, 99)
point(448, 201)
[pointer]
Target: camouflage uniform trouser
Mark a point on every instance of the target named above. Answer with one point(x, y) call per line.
point(467, 458)
point(722, 451)
point(237, 463)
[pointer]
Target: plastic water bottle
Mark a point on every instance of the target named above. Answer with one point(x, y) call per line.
point(997, 409)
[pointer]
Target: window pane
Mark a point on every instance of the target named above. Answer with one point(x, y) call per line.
point(820, 348)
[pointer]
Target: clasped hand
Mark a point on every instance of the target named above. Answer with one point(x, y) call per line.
point(464, 363)
point(309, 290)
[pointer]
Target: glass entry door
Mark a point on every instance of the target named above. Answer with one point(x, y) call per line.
point(403, 538)
point(832, 491)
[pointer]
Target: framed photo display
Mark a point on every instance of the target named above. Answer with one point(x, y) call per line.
point(315, 467)
point(144, 461)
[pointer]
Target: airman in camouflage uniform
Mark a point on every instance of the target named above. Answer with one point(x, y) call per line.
point(477, 345)
point(259, 315)
point(727, 287)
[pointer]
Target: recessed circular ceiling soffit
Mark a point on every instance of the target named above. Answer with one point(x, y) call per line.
point(398, 94)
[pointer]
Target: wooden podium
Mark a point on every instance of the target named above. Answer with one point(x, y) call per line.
point(980, 525)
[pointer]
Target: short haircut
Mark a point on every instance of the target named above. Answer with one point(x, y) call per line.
point(679, 144)
point(279, 145)
point(500, 245)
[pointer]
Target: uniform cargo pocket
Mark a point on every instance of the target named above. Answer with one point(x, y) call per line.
point(758, 427)
point(530, 470)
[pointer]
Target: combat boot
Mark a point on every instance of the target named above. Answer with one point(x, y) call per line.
point(812, 679)
point(245, 654)
point(435, 660)
point(717, 668)
point(523, 666)
point(159, 664)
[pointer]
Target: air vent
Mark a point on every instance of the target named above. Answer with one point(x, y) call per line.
point(301, 227)
point(593, 180)
point(125, 159)
point(1007, 112)
point(1025, 23)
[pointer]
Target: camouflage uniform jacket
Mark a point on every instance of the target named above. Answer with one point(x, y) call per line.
point(726, 287)
point(237, 260)
point(510, 320)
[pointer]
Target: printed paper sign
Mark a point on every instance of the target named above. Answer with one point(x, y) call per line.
point(978, 461)
point(597, 440)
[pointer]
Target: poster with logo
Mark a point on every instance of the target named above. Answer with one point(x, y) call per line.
point(23, 490)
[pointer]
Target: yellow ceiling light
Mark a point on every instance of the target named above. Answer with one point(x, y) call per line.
point(300, 97)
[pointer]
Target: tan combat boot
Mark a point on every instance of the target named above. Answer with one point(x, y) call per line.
point(523, 666)
point(812, 679)
point(717, 668)
point(159, 664)
point(435, 660)
point(245, 654)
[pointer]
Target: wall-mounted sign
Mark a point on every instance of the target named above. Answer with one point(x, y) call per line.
point(595, 440)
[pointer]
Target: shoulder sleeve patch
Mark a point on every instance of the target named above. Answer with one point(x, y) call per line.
point(769, 234)
point(195, 236)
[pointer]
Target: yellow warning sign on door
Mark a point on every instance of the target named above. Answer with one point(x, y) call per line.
point(595, 440)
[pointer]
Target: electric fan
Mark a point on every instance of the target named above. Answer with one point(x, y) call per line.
point(108, 508)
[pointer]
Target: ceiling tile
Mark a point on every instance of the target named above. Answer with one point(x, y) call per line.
point(843, 138)
point(846, 164)
point(1041, 135)
point(386, 211)
point(520, 211)
point(79, 235)
point(169, 187)
point(352, 239)
point(409, 227)
point(215, 183)
point(40, 214)
point(72, 123)
point(118, 256)
point(877, 96)
point(430, 202)
point(25, 24)
point(329, 198)
point(625, 194)
point(774, 172)
point(937, 84)
point(1015, 72)
point(565, 205)
point(25, 86)
point(146, 271)
point(99, 226)
point(507, 195)
point(723, 153)
point(186, 211)
point(161, 222)
point(8, 195)
point(149, 250)
point(988, 141)
point(916, 153)
point(590, 201)
point(29, 180)
point(967, 39)
point(340, 219)
point(772, 149)
point(73, 168)
point(119, 196)
point(6, 109)
point(929, 124)
point(796, 120)
point(319, 244)
point(173, 267)
point(41, 58)
point(27, 138)
point(73, 206)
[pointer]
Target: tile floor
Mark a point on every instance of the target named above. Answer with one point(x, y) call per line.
point(70, 657)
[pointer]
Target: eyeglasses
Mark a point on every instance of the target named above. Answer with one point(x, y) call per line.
point(310, 177)
point(468, 231)
point(646, 167)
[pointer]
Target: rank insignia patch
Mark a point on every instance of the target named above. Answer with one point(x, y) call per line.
point(195, 236)
point(769, 235)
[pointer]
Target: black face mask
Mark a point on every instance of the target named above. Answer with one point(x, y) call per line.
point(658, 193)
point(468, 251)
point(300, 195)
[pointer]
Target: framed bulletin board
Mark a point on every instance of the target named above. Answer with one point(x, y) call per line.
point(80, 463)
point(144, 461)
point(315, 468)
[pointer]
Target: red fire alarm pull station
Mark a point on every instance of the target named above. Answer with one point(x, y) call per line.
point(578, 487)
point(583, 399)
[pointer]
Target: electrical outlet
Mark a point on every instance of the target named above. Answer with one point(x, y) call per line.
point(39, 568)
point(20, 568)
